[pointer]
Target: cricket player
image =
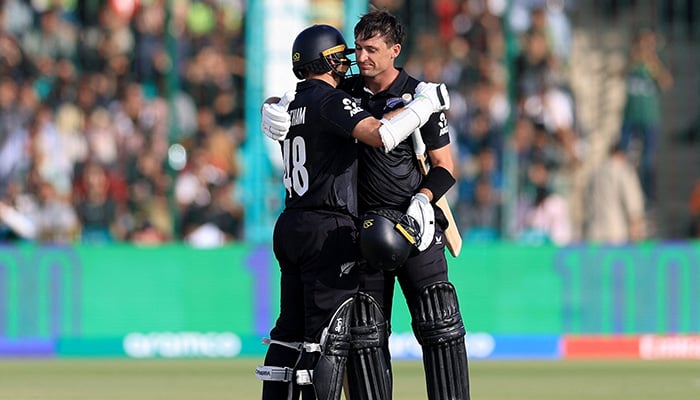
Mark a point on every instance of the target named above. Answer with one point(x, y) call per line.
point(391, 180)
point(315, 237)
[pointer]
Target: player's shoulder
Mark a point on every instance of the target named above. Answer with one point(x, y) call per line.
point(337, 95)
point(323, 94)
point(409, 81)
point(336, 104)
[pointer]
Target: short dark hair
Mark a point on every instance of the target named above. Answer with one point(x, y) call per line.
point(382, 23)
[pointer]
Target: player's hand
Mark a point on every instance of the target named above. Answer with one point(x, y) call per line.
point(275, 118)
point(420, 220)
point(436, 93)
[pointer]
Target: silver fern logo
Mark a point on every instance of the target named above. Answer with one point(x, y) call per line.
point(345, 268)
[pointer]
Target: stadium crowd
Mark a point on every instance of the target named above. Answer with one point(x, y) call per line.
point(85, 126)
point(529, 117)
point(86, 130)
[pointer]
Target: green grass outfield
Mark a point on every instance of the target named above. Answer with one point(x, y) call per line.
point(121, 379)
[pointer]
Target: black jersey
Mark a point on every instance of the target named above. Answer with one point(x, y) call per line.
point(319, 152)
point(389, 180)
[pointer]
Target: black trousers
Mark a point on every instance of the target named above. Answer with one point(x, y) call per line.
point(317, 252)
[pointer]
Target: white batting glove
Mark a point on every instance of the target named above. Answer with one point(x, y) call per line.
point(436, 93)
point(422, 212)
point(275, 118)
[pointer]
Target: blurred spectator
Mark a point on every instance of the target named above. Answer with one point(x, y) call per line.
point(150, 58)
point(553, 108)
point(647, 76)
point(480, 217)
point(614, 202)
point(148, 235)
point(522, 143)
point(16, 16)
point(14, 64)
point(13, 138)
point(53, 216)
point(96, 209)
point(533, 65)
point(216, 222)
point(46, 150)
point(543, 215)
point(479, 134)
point(15, 219)
point(192, 184)
point(148, 185)
point(446, 11)
point(54, 40)
point(484, 166)
point(546, 148)
point(551, 20)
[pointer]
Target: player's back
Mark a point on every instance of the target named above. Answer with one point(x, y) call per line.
point(319, 153)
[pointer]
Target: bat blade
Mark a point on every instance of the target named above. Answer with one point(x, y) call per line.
point(421, 164)
point(452, 236)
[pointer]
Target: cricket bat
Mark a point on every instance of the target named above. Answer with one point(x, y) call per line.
point(452, 237)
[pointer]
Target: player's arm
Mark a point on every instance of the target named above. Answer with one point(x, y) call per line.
point(367, 130)
point(420, 215)
point(400, 124)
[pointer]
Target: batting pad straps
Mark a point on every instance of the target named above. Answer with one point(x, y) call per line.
point(278, 374)
point(291, 345)
point(438, 181)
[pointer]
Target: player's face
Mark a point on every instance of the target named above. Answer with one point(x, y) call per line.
point(374, 56)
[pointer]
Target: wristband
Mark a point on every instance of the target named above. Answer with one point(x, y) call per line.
point(438, 181)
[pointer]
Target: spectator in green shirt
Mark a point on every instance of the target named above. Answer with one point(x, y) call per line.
point(647, 77)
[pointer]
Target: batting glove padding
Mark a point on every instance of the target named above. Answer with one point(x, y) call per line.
point(436, 93)
point(275, 118)
point(422, 212)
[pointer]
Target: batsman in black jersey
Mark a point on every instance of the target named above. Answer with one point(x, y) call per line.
point(315, 237)
point(393, 180)
point(391, 184)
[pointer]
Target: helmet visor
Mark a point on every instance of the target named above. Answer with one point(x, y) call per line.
point(337, 58)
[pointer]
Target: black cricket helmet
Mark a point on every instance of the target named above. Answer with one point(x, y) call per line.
point(319, 49)
point(381, 243)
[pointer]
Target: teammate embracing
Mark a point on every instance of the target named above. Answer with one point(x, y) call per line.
point(390, 182)
point(315, 237)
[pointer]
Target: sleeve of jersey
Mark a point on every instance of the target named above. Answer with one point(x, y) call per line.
point(435, 132)
point(341, 112)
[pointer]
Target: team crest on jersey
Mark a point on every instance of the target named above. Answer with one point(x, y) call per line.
point(351, 106)
point(346, 267)
point(444, 128)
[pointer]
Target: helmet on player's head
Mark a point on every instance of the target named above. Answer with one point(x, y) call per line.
point(319, 49)
point(381, 244)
